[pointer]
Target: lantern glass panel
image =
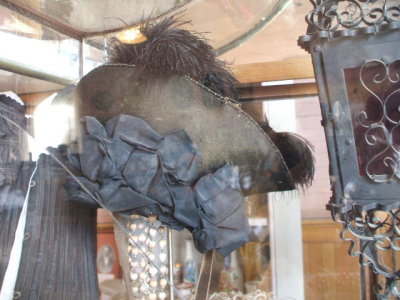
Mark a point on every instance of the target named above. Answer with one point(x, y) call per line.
point(373, 91)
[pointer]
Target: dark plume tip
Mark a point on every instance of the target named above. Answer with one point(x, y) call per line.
point(297, 153)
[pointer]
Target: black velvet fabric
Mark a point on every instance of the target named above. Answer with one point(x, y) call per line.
point(132, 169)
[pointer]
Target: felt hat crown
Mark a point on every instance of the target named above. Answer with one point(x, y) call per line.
point(223, 133)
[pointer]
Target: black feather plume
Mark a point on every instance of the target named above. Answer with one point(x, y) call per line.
point(170, 50)
point(297, 153)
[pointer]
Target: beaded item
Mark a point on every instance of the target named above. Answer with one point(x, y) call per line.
point(148, 258)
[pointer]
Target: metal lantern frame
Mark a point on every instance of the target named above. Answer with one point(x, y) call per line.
point(364, 36)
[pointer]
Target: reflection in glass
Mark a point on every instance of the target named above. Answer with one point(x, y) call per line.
point(27, 43)
point(105, 259)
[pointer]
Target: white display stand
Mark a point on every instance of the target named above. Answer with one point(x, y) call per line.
point(285, 219)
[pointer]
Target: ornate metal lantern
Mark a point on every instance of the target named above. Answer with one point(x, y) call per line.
point(355, 48)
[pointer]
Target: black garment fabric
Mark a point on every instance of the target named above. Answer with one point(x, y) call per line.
point(11, 197)
point(12, 139)
point(132, 169)
point(59, 250)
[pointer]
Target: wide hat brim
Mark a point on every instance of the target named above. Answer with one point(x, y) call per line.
point(222, 132)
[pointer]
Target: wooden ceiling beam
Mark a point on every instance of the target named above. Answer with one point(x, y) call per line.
point(296, 68)
point(277, 92)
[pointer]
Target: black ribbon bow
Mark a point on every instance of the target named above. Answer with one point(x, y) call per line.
point(132, 169)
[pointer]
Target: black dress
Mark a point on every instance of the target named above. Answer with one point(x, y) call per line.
point(58, 258)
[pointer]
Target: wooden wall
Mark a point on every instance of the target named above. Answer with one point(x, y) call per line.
point(32, 100)
point(329, 272)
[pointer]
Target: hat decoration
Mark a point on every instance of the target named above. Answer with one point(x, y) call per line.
point(132, 169)
point(170, 50)
point(186, 152)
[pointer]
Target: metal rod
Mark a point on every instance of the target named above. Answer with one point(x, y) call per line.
point(363, 282)
point(81, 58)
point(105, 54)
point(19, 68)
point(171, 266)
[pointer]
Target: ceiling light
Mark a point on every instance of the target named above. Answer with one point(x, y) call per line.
point(131, 36)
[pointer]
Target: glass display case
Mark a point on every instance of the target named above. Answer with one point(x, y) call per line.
point(51, 58)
